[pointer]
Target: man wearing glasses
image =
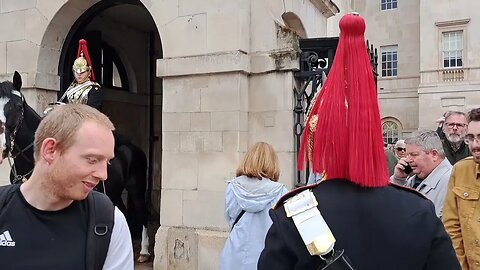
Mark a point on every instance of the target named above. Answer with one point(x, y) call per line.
point(424, 168)
point(461, 211)
point(454, 130)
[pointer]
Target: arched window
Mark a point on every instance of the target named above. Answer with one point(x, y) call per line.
point(113, 72)
point(293, 22)
point(390, 131)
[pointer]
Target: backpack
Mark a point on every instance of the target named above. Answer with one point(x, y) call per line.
point(100, 225)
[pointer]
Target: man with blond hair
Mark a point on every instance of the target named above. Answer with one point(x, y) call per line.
point(49, 217)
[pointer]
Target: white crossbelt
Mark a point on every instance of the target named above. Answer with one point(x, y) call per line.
point(313, 229)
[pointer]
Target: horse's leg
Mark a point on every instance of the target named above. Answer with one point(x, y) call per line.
point(136, 186)
point(114, 185)
point(144, 253)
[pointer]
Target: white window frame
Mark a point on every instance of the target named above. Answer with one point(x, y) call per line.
point(452, 26)
point(388, 4)
point(452, 49)
point(389, 61)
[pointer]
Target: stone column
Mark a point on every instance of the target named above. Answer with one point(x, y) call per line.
point(204, 130)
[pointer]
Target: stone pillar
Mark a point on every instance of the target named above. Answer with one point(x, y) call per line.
point(204, 130)
point(227, 83)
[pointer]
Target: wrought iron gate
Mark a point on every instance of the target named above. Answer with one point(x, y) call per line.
point(316, 58)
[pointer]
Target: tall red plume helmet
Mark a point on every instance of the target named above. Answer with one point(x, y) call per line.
point(347, 139)
point(83, 61)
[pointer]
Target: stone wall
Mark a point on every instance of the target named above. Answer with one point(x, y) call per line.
point(231, 90)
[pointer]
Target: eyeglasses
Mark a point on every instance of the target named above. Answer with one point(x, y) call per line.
point(458, 125)
point(401, 149)
point(470, 138)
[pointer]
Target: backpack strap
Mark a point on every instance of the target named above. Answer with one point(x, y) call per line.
point(100, 225)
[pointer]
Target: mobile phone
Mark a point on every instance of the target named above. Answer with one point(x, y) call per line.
point(408, 169)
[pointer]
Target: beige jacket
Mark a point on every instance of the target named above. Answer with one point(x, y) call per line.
point(461, 213)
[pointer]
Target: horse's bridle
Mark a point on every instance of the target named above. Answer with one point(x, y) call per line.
point(17, 178)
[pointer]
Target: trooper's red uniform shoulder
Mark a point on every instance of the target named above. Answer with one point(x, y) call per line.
point(293, 193)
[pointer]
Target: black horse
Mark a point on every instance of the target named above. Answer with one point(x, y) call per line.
point(127, 171)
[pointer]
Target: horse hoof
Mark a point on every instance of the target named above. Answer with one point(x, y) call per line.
point(143, 258)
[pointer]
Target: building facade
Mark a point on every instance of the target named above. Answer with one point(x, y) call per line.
point(428, 60)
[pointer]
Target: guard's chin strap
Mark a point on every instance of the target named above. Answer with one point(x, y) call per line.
point(313, 229)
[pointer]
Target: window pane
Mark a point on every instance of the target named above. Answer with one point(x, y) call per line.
point(445, 63)
point(394, 4)
point(459, 63)
point(116, 81)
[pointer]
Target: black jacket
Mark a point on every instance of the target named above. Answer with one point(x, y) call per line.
point(387, 228)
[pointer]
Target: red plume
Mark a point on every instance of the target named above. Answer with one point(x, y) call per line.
point(82, 47)
point(348, 140)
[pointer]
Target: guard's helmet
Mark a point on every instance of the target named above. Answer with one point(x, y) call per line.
point(83, 63)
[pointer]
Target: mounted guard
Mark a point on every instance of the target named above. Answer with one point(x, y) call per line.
point(83, 89)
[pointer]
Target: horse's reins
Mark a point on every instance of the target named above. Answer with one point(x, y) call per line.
point(18, 177)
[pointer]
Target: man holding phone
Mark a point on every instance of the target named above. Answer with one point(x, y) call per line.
point(425, 168)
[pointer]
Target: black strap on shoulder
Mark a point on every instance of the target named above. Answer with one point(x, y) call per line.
point(100, 225)
point(238, 218)
point(6, 193)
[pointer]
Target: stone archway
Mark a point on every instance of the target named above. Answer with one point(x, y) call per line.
point(135, 108)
